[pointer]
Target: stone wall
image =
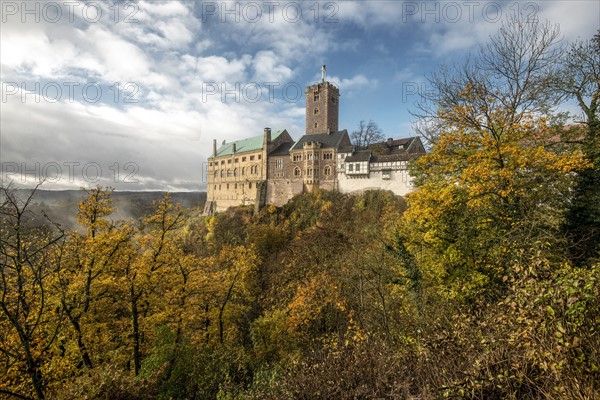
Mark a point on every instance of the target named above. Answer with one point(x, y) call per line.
point(399, 182)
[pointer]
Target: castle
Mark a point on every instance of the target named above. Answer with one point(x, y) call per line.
point(272, 168)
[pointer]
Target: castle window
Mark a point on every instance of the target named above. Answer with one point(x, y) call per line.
point(327, 156)
point(235, 186)
point(327, 171)
point(279, 164)
point(228, 186)
point(228, 173)
point(316, 111)
point(297, 172)
point(297, 157)
point(216, 173)
point(222, 173)
point(259, 156)
point(316, 124)
point(236, 160)
point(243, 159)
point(251, 158)
point(316, 96)
point(357, 167)
point(235, 172)
point(350, 167)
point(222, 162)
point(219, 187)
point(309, 172)
point(210, 164)
point(250, 185)
point(215, 187)
point(229, 161)
point(333, 100)
point(309, 156)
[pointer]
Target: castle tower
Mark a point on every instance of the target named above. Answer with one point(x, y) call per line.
point(322, 107)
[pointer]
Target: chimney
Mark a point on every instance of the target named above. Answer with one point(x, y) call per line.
point(234, 147)
point(267, 139)
point(214, 147)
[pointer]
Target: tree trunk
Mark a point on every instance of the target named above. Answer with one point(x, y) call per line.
point(136, 332)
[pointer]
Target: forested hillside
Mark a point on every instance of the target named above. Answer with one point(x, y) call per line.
point(332, 296)
point(61, 205)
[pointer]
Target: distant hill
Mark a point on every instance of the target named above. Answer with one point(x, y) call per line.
point(61, 205)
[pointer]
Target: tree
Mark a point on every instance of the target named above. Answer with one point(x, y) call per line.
point(147, 272)
point(494, 184)
point(30, 317)
point(366, 134)
point(87, 281)
point(580, 80)
point(512, 73)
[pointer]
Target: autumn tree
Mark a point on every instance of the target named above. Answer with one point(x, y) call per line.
point(147, 272)
point(86, 285)
point(30, 316)
point(580, 80)
point(512, 72)
point(493, 184)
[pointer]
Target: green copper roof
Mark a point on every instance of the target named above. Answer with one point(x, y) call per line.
point(244, 145)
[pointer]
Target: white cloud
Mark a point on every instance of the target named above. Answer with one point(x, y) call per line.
point(356, 82)
point(269, 68)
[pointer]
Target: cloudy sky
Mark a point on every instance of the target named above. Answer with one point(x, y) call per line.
point(131, 94)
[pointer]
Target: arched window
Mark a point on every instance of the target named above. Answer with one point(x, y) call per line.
point(316, 124)
point(250, 185)
point(327, 171)
point(216, 173)
point(297, 172)
point(235, 172)
point(243, 171)
point(222, 173)
point(228, 173)
point(316, 111)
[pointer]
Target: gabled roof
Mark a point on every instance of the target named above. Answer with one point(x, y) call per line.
point(400, 142)
point(362, 155)
point(282, 150)
point(393, 146)
point(241, 146)
point(388, 151)
point(398, 156)
point(327, 140)
point(346, 149)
